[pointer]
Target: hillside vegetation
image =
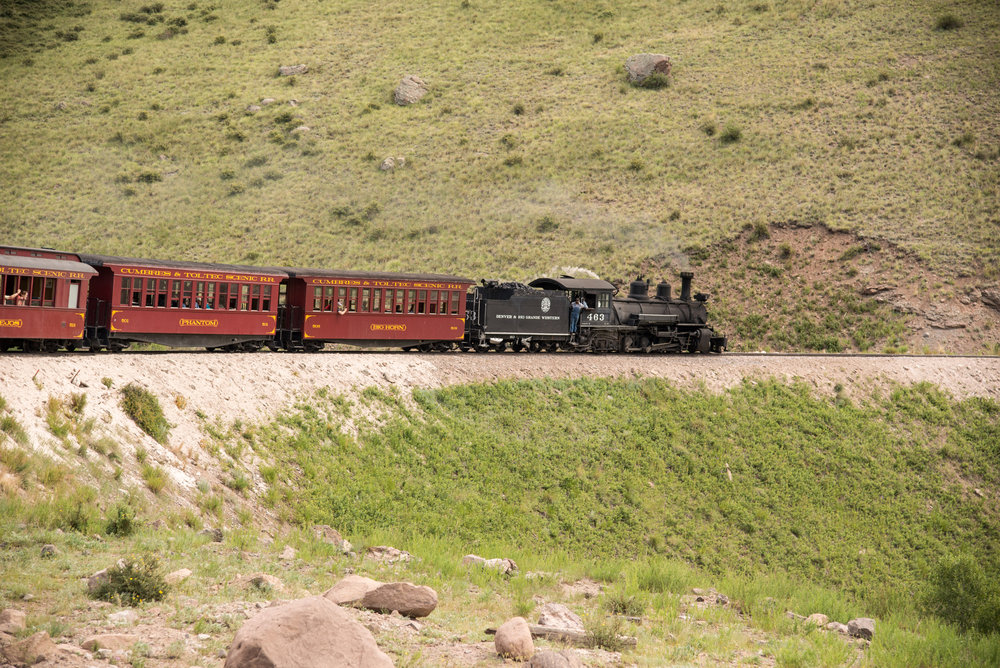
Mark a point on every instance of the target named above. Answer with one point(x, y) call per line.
point(882, 507)
point(124, 128)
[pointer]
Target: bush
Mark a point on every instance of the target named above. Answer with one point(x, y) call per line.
point(121, 521)
point(962, 593)
point(155, 477)
point(133, 581)
point(621, 604)
point(731, 135)
point(144, 408)
point(655, 81)
point(948, 22)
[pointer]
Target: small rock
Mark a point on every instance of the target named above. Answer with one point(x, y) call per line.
point(12, 621)
point(409, 90)
point(513, 640)
point(862, 627)
point(722, 599)
point(204, 636)
point(413, 624)
point(293, 103)
point(330, 535)
point(817, 618)
point(221, 654)
point(266, 101)
point(292, 70)
point(559, 616)
point(95, 581)
point(159, 525)
point(60, 106)
point(123, 617)
point(978, 492)
point(288, 553)
point(215, 535)
point(388, 164)
point(549, 659)
point(263, 582)
point(837, 627)
point(302, 129)
point(642, 65)
point(178, 576)
point(49, 551)
point(698, 592)
point(28, 597)
point(387, 554)
point(253, 108)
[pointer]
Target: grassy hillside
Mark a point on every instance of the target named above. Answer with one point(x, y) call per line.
point(124, 128)
point(784, 500)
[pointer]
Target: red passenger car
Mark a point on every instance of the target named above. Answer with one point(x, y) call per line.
point(372, 309)
point(181, 304)
point(43, 300)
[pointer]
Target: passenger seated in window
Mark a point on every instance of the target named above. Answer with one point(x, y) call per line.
point(19, 297)
point(197, 303)
point(341, 309)
point(186, 303)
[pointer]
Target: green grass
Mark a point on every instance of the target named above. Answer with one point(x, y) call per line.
point(144, 408)
point(108, 117)
point(865, 497)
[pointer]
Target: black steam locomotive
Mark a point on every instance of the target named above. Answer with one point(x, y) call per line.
point(539, 317)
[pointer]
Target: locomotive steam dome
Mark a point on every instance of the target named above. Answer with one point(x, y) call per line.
point(638, 290)
point(663, 291)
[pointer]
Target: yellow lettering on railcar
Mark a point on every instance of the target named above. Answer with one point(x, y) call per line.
point(17, 324)
point(377, 327)
point(194, 322)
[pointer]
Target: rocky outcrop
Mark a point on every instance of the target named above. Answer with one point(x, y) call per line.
point(513, 640)
point(308, 633)
point(408, 599)
point(331, 536)
point(33, 649)
point(12, 621)
point(112, 641)
point(643, 65)
point(991, 297)
point(387, 554)
point(292, 70)
point(409, 90)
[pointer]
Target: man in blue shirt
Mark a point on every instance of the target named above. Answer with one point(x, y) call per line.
point(574, 315)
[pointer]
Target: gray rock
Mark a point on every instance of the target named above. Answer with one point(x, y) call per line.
point(837, 627)
point(253, 108)
point(328, 534)
point(178, 576)
point(387, 554)
point(505, 566)
point(33, 649)
point(559, 616)
point(262, 582)
point(991, 297)
point(292, 70)
point(288, 554)
point(642, 65)
point(409, 90)
point(817, 618)
point(862, 627)
point(95, 581)
point(302, 129)
point(388, 164)
point(266, 101)
point(513, 640)
point(123, 617)
point(549, 659)
point(49, 551)
point(111, 641)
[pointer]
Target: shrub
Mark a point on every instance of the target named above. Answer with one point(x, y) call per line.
point(606, 634)
point(107, 382)
point(238, 482)
point(962, 593)
point(620, 604)
point(948, 22)
point(121, 521)
point(144, 408)
point(708, 127)
point(546, 223)
point(10, 426)
point(731, 135)
point(655, 81)
point(133, 581)
point(155, 477)
point(518, 109)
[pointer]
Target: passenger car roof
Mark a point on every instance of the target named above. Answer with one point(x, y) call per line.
point(105, 260)
point(25, 262)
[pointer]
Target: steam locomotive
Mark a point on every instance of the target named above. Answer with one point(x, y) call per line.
point(538, 317)
point(61, 300)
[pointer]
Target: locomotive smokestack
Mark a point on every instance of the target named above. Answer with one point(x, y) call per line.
point(686, 277)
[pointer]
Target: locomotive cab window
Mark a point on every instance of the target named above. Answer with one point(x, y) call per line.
point(603, 300)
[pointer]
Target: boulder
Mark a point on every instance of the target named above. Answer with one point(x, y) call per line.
point(351, 589)
point(409, 90)
point(387, 554)
point(95, 581)
point(862, 627)
point(513, 640)
point(178, 576)
point(292, 70)
point(308, 633)
point(408, 599)
point(12, 621)
point(288, 554)
point(116, 642)
point(549, 659)
point(559, 616)
point(33, 649)
point(642, 65)
point(817, 618)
